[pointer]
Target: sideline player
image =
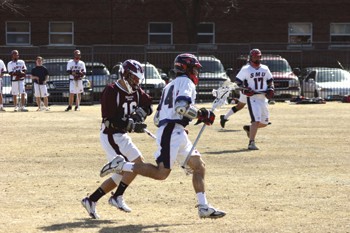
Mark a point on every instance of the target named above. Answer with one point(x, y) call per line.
point(257, 83)
point(40, 75)
point(175, 110)
point(17, 70)
point(124, 107)
point(76, 70)
point(2, 71)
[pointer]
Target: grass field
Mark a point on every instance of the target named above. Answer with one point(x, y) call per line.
point(299, 180)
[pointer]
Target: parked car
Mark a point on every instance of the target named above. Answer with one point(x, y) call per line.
point(99, 76)
point(153, 83)
point(211, 76)
point(58, 84)
point(29, 87)
point(286, 81)
point(327, 83)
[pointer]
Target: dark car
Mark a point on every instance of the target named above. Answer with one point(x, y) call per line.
point(58, 84)
point(212, 76)
point(99, 76)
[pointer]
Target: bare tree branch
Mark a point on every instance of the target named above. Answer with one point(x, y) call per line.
point(10, 5)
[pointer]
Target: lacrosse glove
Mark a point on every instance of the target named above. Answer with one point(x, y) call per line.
point(137, 127)
point(248, 91)
point(270, 93)
point(206, 116)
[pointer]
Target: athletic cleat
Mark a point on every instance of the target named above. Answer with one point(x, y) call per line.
point(23, 109)
point(76, 108)
point(68, 108)
point(47, 109)
point(115, 166)
point(252, 146)
point(90, 207)
point(2, 109)
point(207, 211)
point(119, 203)
point(246, 128)
point(223, 121)
point(16, 109)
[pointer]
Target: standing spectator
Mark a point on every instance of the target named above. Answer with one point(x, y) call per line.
point(40, 76)
point(175, 110)
point(17, 70)
point(257, 83)
point(124, 107)
point(76, 70)
point(2, 71)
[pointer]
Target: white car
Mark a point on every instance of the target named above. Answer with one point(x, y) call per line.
point(326, 83)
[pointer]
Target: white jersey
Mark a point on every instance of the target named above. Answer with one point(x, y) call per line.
point(73, 66)
point(182, 88)
point(254, 78)
point(14, 66)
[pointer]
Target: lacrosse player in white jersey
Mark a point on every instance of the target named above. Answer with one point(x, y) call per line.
point(76, 70)
point(2, 71)
point(17, 70)
point(175, 110)
point(257, 83)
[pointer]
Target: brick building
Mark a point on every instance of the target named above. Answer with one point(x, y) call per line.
point(154, 22)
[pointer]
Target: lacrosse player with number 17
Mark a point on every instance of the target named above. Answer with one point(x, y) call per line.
point(175, 110)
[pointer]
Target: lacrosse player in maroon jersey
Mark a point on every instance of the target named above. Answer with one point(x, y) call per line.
point(257, 83)
point(124, 107)
point(175, 110)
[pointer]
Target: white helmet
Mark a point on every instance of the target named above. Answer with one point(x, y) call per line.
point(132, 67)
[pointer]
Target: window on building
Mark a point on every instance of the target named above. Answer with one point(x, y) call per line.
point(17, 33)
point(61, 33)
point(206, 33)
point(300, 33)
point(160, 33)
point(340, 33)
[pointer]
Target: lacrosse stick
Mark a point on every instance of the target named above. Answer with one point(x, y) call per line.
point(221, 95)
point(42, 105)
point(150, 134)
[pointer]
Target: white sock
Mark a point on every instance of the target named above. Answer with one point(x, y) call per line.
point(128, 167)
point(202, 199)
point(228, 114)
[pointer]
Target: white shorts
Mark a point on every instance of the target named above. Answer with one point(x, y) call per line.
point(242, 98)
point(118, 144)
point(258, 109)
point(173, 145)
point(40, 90)
point(76, 86)
point(17, 87)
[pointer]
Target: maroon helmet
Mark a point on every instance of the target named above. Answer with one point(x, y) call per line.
point(185, 64)
point(132, 67)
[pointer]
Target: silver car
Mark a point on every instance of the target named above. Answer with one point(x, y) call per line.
point(326, 83)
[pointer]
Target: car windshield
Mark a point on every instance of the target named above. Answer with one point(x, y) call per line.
point(211, 66)
point(97, 70)
point(151, 72)
point(277, 65)
point(332, 76)
point(56, 69)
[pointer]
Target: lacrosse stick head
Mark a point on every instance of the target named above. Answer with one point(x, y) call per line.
point(222, 93)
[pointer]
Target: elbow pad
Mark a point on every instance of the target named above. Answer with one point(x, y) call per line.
point(183, 108)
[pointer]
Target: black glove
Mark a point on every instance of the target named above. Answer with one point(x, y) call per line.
point(270, 93)
point(206, 116)
point(137, 127)
point(139, 115)
point(248, 91)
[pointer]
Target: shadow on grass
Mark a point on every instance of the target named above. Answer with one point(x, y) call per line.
point(91, 223)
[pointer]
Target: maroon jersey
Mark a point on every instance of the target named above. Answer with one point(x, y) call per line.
point(117, 104)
